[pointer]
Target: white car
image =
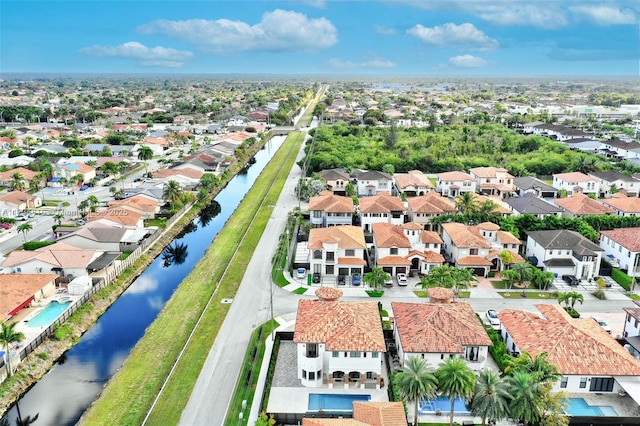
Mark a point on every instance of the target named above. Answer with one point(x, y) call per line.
point(602, 324)
point(402, 279)
point(492, 318)
point(301, 273)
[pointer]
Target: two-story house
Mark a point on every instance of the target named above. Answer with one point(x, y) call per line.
point(581, 205)
point(574, 182)
point(622, 249)
point(623, 205)
point(338, 250)
point(337, 180)
point(413, 184)
point(613, 179)
point(328, 209)
point(588, 358)
point(422, 209)
point(564, 252)
point(437, 331)
point(338, 343)
point(381, 208)
point(493, 181)
point(372, 182)
point(452, 184)
point(69, 170)
point(530, 204)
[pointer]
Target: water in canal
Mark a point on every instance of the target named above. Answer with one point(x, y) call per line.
point(68, 389)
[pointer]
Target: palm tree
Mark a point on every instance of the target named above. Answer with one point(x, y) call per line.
point(58, 218)
point(93, 202)
point(569, 298)
point(466, 203)
point(17, 182)
point(523, 389)
point(174, 254)
point(539, 366)
point(414, 382)
point(491, 396)
point(9, 336)
point(455, 380)
point(25, 228)
point(542, 279)
point(524, 271)
point(376, 278)
point(507, 258)
point(172, 193)
point(145, 154)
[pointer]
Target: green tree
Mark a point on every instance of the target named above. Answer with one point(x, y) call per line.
point(25, 228)
point(523, 388)
point(93, 202)
point(172, 193)
point(376, 278)
point(83, 207)
point(415, 381)
point(524, 271)
point(9, 336)
point(569, 298)
point(17, 182)
point(466, 203)
point(539, 366)
point(447, 276)
point(109, 168)
point(265, 420)
point(58, 218)
point(542, 279)
point(506, 258)
point(145, 154)
point(455, 380)
point(490, 397)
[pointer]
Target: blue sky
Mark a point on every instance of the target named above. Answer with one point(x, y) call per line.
point(395, 37)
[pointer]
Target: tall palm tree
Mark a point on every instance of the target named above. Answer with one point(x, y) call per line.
point(523, 388)
point(455, 380)
point(525, 272)
point(414, 382)
point(93, 202)
point(58, 218)
point(376, 278)
point(25, 228)
point(145, 154)
point(569, 298)
point(539, 366)
point(172, 193)
point(17, 182)
point(491, 396)
point(9, 336)
point(466, 203)
point(542, 279)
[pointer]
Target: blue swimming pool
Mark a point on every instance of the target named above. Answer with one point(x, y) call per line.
point(334, 403)
point(579, 407)
point(443, 404)
point(46, 316)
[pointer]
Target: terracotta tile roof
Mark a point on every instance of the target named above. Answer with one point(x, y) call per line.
point(329, 293)
point(432, 203)
point(489, 172)
point(84, 168)
point(351, 261)
point(347, 237)
point(26, 173)
point(574, 177)
point(341, 326)
point(628, 238)
point(488, 226)
point(139, 202)
point(438, 328)
point(413, 226)
point(380, 413)
point(624, 204)
point(388, 235)
point(15, 289)
point(455, 176)
point(329, 202)
point(473, 261)
point(394, 260)
point(430, 237)
point(17, 197)
point(505, 237)
point(463, 237)
point(186, 171)
point(381, 203)
point(440, 293)
point(576, 346)
point(60, 255)
point(118, 215)
point(580, 204)
point(332, 422)
point(432, 257)
point(413, 179)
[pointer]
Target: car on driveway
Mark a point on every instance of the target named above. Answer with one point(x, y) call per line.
point(356, 280)
point(388, 282)
point(571, 280)
point(301, 273)
point(84, 187)
point(342, 280)
point(492, 318)
point(316, 277)
point(602, 324)
point(402, 279)
point(21, 217)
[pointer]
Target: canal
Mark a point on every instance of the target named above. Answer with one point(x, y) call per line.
point(77, 378)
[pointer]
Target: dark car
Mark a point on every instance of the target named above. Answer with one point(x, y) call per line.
point(316, 277)
point(342, 280)
point(570, 279)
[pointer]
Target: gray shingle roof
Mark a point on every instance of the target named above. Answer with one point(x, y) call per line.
point(564, 239)
point(532, 205)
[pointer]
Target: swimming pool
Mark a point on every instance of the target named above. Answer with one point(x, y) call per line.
point(443, 404)
point(579, 407)
point(334, 403)
point(48, 314)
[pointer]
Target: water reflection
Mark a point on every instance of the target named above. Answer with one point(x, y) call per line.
point(174, 254)
point(191, 227)
point(209, 212)
point(20, 419)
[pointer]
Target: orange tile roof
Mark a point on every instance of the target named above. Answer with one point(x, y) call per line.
point(574, 177)
point(341, 326)
point(351, 261)
point(432, 203)
point(455, 176)
point(394, 260)
point(116, 214)
point(84, 168)
point(15, 289)
point(346, 236)
point(500, 207)
point(576, 346)
point(388, 235)
point(432, 257)
point(473, 261)
point(380, 413)
point(381, 203)
point(139, 202)
point(187, 171)
point(624, 204)
point(435, 327)
point(440, 293)
point(332, 422)
point(414, 178)
point(413, 225)
point(488, 226)
point(489, 172)
point(580, 204)
point(17, 197)
point(329, 202)
point(507, 238)
point(430, 237)
point(463, 237)
point(59, 254)
point(26, 173)
point(628, 238)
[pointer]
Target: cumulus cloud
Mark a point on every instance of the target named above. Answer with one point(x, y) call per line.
point(146, 56)
point(381, 29)
point(369, 63)
point(278, 31)
point(605, 15)
point(452, 35)
point(468, 61)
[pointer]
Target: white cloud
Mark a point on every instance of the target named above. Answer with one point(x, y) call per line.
point(381, 29)
point(370, 63)
point(468, 61)
point(605, 15)
point(278, 31)
point(321, 4)
point(452, 35)
point(146, 56)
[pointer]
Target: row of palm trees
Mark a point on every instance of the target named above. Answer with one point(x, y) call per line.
point(523, 392)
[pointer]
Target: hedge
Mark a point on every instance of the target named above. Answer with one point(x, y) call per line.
point(621, 278)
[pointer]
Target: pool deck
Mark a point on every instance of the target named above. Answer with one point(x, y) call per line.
point(624, 405)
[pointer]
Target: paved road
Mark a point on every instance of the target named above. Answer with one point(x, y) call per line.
point(12, 239)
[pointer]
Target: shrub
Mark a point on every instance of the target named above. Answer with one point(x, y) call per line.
point(42, 355)
point(600, 294)
point(573, 313)
point(491, 274)
point(34, 245)
point(621, 278)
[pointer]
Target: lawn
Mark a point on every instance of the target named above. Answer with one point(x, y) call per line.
point(462, 294)
point(634, 296)
point(517, 294)
point(130, 393)
point(300, 290)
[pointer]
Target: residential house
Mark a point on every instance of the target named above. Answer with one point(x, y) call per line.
point(338, 342)
point(587, 357)
point(581, 205)
point(631, 330)
point(438, 331)
point(619, 149)
point(413, 184)
point(530, 204)
point(337, 180)
point(423, 208)
point(612, 181)
point(60, 258)
point(370, 413)
point(623, 205)
point(622, 249)
point(145, 206)
point(564, 252)
point(478, 247)
point(372, 182)
point(493, 181)
point(337, 250)
point(381, 208)
point(18, 291)
point(327, 209)
point(104, 235)
point(186, 176)
point(531, 185)
point(69, 170)
point(576, 182)
point(121, 216)
point(21, 200)
point(6, 178)
point(452, 184)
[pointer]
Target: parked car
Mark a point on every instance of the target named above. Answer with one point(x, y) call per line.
point(388, 282)
point(342, 280)
point(31, 215)
point(571, 280)
point(402, 279)
point(492, 318)
point(356, 280)
point(602, 324)
point(301, 273)
point(21, 217)
point(84, 187)
point(316, 277)
point(79, 222)
point(5, 225)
